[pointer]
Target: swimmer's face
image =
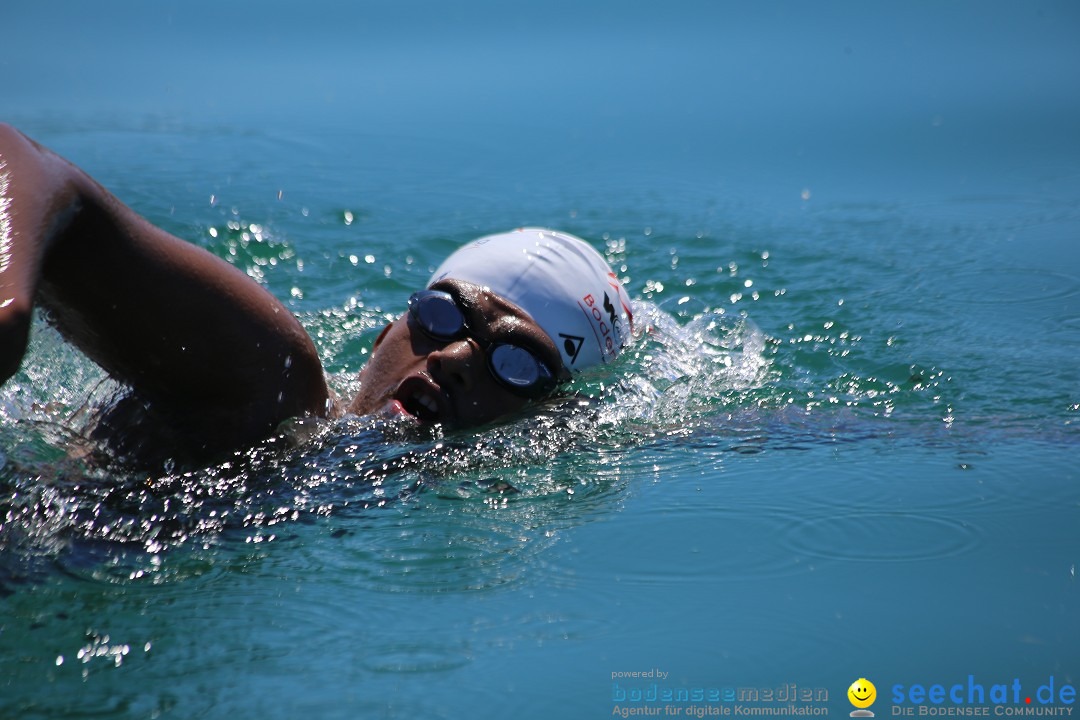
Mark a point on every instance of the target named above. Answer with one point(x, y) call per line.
point(448, 382)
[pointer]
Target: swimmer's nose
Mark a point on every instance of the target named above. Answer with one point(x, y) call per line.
point(457, 365)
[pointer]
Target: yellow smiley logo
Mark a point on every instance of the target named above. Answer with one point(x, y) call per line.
point(862, 693)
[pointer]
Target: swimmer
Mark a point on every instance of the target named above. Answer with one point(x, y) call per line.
point(215, 363)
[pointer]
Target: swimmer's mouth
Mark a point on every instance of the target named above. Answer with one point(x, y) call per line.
point(421, 398)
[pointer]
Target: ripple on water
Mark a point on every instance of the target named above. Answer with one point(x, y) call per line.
point(415, 658)
point(1010, 286)
point(963, 475)
point(425, 553)
point(688, 544)
point(117, 567)
point(1067, 329)
point(881, 537)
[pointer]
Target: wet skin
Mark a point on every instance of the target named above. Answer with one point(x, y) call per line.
point(435, 381)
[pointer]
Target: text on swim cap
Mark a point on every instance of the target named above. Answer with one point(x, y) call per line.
point(607, 329)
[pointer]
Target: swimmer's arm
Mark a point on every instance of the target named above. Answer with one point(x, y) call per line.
point(184, 328)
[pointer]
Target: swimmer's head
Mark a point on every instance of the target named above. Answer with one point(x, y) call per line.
point(548, 294)
point(560, 281)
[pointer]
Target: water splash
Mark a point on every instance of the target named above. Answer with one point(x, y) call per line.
point(677, 373)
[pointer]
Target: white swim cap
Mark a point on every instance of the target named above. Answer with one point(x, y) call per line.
point(560, 280)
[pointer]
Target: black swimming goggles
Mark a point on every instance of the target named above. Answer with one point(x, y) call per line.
point(518, 369)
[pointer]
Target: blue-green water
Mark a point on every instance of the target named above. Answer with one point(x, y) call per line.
point(846, 445)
